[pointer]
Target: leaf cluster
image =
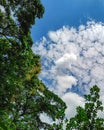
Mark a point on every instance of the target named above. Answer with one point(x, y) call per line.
point(87, 117)
point(23, 96)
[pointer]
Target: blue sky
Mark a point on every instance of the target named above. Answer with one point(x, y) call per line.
point(67, 12)
point(70, 40)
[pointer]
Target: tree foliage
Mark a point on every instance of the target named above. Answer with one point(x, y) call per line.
point(87, 117)
point(23, 97)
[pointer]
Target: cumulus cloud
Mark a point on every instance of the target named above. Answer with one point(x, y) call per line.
point(2, 8)
point(45, 118)
point(66, 60)
point(64, 82)
point(73, 60)
point(72, 100)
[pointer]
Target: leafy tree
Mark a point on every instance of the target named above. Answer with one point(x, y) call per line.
point(17, 17)
point(23, 97)
point(87, 118)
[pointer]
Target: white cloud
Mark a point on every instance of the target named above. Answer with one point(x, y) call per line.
point(66, 60)
point(2, 8)
point(65, 82)
point(45, 118)
point(100, 113)
point(73, 57)
point(72, 101)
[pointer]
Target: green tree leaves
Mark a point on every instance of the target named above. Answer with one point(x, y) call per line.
point(87, 118)
point(17, 19)
point(23, 97)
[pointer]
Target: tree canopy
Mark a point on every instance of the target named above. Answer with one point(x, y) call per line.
point(87, 117)
point(23, 96)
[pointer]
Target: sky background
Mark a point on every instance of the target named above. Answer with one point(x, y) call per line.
point(70, 40)
point(67, 12)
